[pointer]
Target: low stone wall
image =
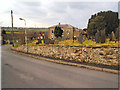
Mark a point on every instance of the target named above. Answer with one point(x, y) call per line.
point(107, 55)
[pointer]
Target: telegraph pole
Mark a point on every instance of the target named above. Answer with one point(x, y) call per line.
point(12, 27)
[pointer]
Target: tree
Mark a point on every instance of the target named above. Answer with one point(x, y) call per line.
point(96, 24)
point(103, 20)
point(3, 32)
point(58, 32)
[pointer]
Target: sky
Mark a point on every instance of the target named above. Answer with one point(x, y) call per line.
point(45, 13)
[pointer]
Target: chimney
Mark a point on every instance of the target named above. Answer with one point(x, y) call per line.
point(59, 24)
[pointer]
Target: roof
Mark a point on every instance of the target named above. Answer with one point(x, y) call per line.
point(66, 26)
point(63, 26)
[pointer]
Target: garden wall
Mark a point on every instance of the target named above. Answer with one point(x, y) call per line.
point(107, 55)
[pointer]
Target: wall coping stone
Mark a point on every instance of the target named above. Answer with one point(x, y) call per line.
point(87, 46)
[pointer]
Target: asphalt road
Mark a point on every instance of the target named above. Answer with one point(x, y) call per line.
point(25, 72)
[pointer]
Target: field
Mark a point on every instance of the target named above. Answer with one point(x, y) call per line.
point(30, 29)
point(39, 30)
point(15, 32)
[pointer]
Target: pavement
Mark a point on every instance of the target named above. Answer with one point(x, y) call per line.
point(20, 71)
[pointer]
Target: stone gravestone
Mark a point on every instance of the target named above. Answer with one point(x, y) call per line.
point(103, 36)
point(117, 34)
point(97, 37)
point(80, 38)
point(113, 36)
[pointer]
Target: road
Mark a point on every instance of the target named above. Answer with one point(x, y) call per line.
point(25, 72)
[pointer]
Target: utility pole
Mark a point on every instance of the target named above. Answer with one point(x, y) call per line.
point(73, 34)
point(12, 27)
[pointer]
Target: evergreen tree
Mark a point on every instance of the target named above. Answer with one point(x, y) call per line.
point(103, 20)
point(58, 32)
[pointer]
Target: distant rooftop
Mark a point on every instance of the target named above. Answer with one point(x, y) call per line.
point(65, 26)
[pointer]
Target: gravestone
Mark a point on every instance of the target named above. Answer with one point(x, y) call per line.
point(103, 36)
point(80, 38)
point(113, 36)
point(97, 37)
point(117, 34)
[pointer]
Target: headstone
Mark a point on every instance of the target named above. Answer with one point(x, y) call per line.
point(113, 36)
point(97, 37)
point(80, 38)
point(103, 36)
point(117, 34)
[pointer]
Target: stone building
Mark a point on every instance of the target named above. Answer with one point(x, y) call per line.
point(84, 33)
point(67, 31)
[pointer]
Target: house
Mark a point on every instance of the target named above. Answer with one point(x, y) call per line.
point(84, 33)
point(67, 31)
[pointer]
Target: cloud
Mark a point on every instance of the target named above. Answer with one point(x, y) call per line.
point(48, 12)
point(119, 9)
point(32, 4)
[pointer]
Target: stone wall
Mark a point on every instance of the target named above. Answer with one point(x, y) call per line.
point(107, 55)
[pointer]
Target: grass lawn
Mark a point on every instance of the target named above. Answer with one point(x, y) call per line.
point(16, 45)
point(33, 42)
point(86, 42)
point(70, 42)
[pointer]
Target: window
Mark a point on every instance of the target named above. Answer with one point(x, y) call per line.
point(52, 31)
point(68, 31)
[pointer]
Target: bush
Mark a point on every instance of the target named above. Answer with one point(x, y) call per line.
point(57, 40)
point(48, 41)
point(16, 45)
point(11, 42)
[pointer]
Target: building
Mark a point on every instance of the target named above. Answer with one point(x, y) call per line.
point(67, 31)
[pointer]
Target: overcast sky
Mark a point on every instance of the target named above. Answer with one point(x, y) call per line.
point(45, 13)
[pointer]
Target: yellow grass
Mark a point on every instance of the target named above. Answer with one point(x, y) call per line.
point(70, 42)
point(15, 32)
point(33, 42)
point(87, 42)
